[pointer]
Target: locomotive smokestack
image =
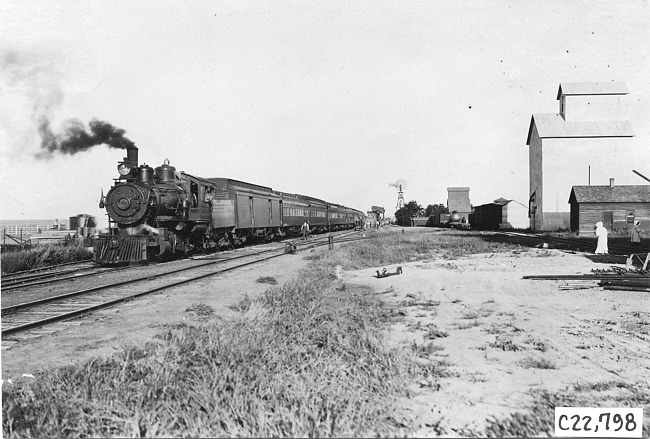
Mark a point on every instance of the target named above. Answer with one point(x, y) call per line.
point(132, 156)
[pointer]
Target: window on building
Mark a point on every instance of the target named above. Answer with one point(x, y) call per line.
point(629, 218)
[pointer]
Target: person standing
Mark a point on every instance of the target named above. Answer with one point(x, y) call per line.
point(305, 230)
point(635, 234)
point(601, 233)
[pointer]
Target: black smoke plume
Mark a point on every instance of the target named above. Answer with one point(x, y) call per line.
point(76, 138)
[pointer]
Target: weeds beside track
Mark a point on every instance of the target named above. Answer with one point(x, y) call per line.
point(43, 256)
point(306, 359)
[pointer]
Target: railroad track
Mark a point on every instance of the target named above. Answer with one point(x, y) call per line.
point(576, 244)
point(38, 277)
point(31, 316)
point(23, 281)
point(49, 267)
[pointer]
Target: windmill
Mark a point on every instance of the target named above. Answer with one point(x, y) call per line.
point(401, 186)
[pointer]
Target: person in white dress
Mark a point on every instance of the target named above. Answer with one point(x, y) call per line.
point(601, 233)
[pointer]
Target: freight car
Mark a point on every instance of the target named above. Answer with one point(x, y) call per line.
point(156, 213)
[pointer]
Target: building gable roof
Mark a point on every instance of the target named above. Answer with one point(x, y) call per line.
point(554, 126)
point(591, 88)
point(609, 194)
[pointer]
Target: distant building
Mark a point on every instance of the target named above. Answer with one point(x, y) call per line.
point(30, 227)
point(501, 214)
point(458, 201)
point(616, 206)
point(420, 221)
point(371, 220)
point(379, 211)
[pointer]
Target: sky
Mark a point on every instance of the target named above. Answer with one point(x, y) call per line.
point(333, 99)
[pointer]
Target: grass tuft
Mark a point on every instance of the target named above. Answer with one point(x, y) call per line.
point(467, 325)
point(267, 280)
point(200, 309)
point(537, 363)
point(505, 344)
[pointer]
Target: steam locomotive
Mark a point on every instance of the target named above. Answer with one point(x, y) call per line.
point(155, 213)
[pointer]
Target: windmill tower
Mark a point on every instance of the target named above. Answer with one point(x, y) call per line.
point(401, 186)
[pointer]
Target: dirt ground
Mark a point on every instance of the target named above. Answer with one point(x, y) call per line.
point(476, 315)
point(492, 329)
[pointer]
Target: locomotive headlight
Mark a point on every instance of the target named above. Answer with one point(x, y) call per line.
point(123, 169)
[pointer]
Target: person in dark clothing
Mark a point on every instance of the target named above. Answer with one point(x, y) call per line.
point(305, 230)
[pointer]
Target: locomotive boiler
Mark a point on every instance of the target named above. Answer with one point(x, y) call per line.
point(159, 212)
point(147, 208)
point(146, 193)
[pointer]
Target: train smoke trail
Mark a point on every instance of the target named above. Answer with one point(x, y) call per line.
point(75, 138)
point(33, 83)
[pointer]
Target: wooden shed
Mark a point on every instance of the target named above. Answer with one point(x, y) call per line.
point(501, 214)
point(616, 206)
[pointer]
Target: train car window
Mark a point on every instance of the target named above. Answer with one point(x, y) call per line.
point(208, 193)
point(194, 190)
point(250, 206)
point(270, 213)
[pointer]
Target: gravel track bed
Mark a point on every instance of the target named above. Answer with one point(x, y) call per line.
point(38, 292)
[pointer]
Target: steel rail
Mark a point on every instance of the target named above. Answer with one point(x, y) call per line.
point(14, 308)
point(626, 288)
point(19, 284)
point(626, 249)
point(22, 282)
point(626, 282)
point(16, 285)
point(11, 309)
point(85, 310)
point(585, 276)
point(49, 267)
point(37, 276)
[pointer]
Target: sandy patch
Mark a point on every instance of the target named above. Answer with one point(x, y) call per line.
point(496, 331)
